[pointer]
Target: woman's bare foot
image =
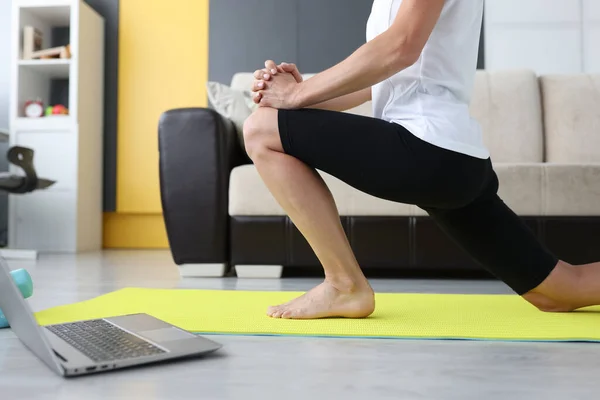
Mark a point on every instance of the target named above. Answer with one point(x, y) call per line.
point(328, 300)
point(567, 288)
point(546, 304)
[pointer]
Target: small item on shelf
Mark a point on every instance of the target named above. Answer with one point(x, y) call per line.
point(32, 42)
point(34, 109)
point(59, 109)
point(63, 52)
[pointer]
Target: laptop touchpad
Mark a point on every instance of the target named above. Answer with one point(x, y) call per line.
point(166, 335)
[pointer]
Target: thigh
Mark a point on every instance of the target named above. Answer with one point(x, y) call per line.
point(378, 157)
point(367, 153)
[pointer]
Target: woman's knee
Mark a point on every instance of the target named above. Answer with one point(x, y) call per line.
point(252, 131)
point(259, 133)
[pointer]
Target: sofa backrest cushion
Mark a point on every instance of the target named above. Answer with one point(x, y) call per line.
point(507, 105)
point(242, 81)
point(572, 118)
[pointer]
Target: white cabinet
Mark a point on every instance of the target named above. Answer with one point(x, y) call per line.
point(546, 50)
point(45, 220)
point(547, 36)
point(53, 156)
point(532, 11)
point(67, 217)
point(591, 35)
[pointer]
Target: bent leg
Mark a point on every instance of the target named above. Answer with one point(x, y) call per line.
point(374, 156)
point(308, 202)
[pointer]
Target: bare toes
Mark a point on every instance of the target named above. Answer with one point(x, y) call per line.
point(270, 311)
point(294, 314)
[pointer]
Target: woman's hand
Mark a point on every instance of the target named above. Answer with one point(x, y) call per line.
point(279, 92)
point(272, 70)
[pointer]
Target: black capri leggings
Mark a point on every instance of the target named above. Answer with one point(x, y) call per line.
point(459, 192)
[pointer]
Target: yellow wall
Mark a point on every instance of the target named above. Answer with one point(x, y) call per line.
point(163, 64)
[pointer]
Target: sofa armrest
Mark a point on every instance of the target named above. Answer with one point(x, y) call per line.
point(198, 148)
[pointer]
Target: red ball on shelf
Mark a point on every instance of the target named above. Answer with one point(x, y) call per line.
point(59, 109)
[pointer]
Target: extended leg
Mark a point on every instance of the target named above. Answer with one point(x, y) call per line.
point(497, 238)
point(304, 196)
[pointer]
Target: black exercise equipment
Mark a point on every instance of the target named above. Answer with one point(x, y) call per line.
point(22, 157)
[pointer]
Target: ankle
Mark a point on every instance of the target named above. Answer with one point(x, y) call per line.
point(347, 283)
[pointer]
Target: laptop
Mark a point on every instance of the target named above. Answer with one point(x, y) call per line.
point(99, 345)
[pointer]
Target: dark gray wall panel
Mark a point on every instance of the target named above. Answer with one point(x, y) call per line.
point(109, 9)
point(329, 31)
point(4, 166)
point(481, 56)
point(245, 33)
point(315, 34)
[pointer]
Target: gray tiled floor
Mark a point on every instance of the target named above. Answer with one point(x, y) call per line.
point(294, 368)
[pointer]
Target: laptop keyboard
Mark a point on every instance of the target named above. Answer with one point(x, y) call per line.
point(102, 341)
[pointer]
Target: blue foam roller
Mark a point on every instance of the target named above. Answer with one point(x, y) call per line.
point(25, 285)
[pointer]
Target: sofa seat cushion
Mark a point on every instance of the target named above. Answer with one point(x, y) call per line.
point(248, 195)
point(534, 189)
point(572, 190)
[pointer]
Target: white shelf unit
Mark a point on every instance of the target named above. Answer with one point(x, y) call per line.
point(67, 217)
point(53, 69)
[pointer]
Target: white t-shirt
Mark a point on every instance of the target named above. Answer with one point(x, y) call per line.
point(431, 98)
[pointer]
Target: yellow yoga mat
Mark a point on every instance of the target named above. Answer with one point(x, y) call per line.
point(422, 316)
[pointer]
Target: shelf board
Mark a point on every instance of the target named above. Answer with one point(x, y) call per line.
point(52, 123)
point(55, 12)
point(53, 68)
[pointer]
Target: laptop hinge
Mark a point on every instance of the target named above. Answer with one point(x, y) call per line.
point(59, 356)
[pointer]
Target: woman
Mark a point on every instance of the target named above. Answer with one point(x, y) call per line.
point(421, 148)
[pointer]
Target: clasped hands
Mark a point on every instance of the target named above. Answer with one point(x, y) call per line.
point(277, 86)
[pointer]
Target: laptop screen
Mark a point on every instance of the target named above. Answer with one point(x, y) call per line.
point(21, 319)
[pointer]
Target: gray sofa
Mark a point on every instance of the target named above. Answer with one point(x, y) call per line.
point(543, 134)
